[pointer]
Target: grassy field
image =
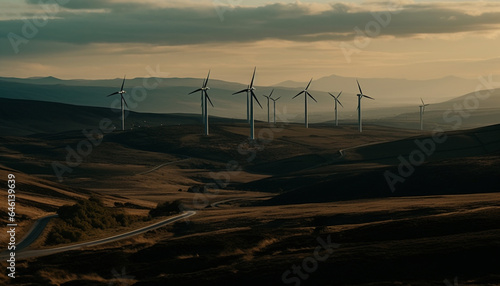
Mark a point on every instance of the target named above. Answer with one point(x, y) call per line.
point(295, 192)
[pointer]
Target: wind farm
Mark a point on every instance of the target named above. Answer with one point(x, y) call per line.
point(112, 175)
point(266, 179)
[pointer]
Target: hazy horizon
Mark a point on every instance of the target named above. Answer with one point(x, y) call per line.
point(242, 81)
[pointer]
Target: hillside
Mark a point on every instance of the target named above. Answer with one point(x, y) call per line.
point(274, 197)
point(26, 117)
point(462, 162)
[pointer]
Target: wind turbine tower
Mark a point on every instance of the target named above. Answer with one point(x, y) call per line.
point(204, 97)
point(306, 94)
point(337, 102)
point(360, 96)
point(122, 100)
point(422, 111)
point(268, 98)
point(274, 106)
point(250, 90)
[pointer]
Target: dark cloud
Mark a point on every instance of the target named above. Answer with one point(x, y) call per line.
point(140, 23)
point(75, 4)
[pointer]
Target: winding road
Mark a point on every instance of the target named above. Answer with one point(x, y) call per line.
point(163, 165)
point(39, 226)
point(35, 231)
point(216, 204)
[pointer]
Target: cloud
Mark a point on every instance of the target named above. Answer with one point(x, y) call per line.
point(74, 4)
point(96, 21)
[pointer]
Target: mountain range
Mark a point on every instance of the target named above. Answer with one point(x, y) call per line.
point(396, 100)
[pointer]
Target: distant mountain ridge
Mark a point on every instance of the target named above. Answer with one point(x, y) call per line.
point(398, 91)
point(396, 101)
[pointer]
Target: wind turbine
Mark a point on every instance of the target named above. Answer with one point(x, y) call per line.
point(268, 98)
point(306, 94)
point(274, 103)
point(422, 111)
point(204, 96)
point(250, 90)
point(121, 92)
point(337, 101)
point(360, 96)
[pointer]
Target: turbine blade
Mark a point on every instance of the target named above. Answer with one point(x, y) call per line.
point(271, 94)
point(311, 96)
point(339, 94)
point(340, 103)
point(309, 83)
point(253, 77)
point(241, 91)
point(422, 101)
point(208, 97)
point(277, 98)
point(124, 101)
point(253, 94)
point(332, 95)
point(123, 83)
point(199, 89)
point(368, 97)
point(206, 81)
point(116, 92)
point(359, 86)
point(299, 94)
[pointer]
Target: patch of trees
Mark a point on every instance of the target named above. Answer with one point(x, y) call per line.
point(84, 216)
point(167, 208)
point(198, 189)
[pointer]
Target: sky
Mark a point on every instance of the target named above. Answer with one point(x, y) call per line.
point(286, 40)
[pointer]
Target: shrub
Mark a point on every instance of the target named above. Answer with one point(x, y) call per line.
point(63, 233)
point(166, 208)
point(85, 216)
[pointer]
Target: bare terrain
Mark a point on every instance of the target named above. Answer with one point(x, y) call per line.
point(277, 202)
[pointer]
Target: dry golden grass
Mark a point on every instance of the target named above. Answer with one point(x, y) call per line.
point(246, 238)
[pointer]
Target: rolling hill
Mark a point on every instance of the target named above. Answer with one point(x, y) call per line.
point(459, 162)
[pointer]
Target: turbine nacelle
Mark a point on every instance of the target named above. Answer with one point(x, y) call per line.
point(336, 98)
point(306, 92)
point(363, 95)
point(423, 103)
point(121, 92)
